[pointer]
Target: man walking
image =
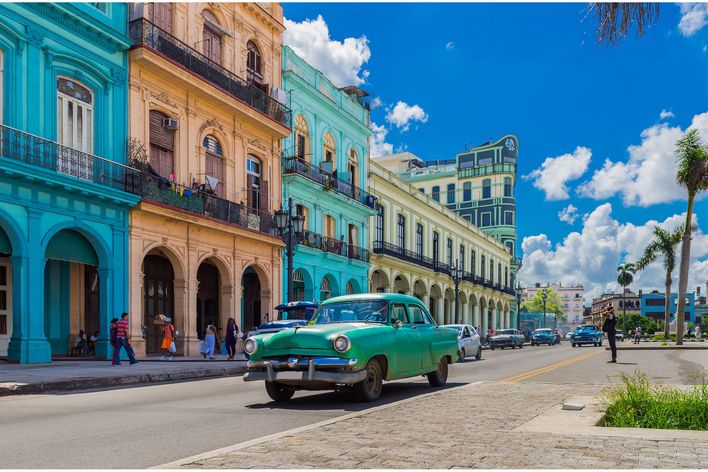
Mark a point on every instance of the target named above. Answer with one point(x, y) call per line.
point(122, 341)
point(610, 327)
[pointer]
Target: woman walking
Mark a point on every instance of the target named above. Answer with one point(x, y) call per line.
point(211, 340)
point(113, 334)
point(168, 336)
point(231, 332)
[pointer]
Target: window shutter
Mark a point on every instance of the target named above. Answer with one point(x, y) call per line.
point(159, 136)
point(264, 196)
point(249, 191)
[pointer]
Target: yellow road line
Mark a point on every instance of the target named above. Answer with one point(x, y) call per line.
point(548, 368)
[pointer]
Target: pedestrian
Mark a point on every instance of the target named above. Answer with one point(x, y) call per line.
point(92, 343)
point(80, 343)
point(113, 331)
point(122, 341)
point(211, 341)
point(610, 327)
point(637, 334)
point(168, 336)
point(231, 332)
point(697, 332)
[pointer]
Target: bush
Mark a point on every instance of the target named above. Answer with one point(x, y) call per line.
point(636, 403)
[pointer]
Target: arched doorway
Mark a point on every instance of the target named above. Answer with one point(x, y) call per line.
point(379, 282)
point(419, 290)
point(158, 298)
point(328, 287)
point(352, 287)
point(302, 285)
point(5, 292)
point(251, 299)
point(208, 297)
point(400, 285)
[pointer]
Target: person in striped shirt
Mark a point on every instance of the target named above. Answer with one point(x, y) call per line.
point(122, 341)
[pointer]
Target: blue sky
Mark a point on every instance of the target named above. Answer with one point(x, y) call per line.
point(479, 71)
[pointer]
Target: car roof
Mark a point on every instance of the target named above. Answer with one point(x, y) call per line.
point(300, 304)
point(388, 297)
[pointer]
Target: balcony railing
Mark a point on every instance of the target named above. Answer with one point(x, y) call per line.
point(294, 165)
point(40, 152)
point(143, 33)
point(334, 246)
point(159, 189)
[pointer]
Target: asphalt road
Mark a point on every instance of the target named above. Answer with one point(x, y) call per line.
point(146, 426)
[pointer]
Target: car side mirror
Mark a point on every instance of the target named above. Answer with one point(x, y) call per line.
point(398, 324)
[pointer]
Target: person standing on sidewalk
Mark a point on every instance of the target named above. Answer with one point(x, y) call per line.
point(211, 341)
point(610, 327)
point(122, 341)
point(697, 332)
point(637, 335)
point(231, 332)
point(112, 338)
point(168, 336)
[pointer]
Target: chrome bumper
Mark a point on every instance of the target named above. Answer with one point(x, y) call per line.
point(280, 371)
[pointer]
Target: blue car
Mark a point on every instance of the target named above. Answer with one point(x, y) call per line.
point(544, 336)
point(586, 334)
point(289, 315)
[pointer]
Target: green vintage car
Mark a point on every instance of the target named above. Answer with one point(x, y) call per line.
point(354, 341)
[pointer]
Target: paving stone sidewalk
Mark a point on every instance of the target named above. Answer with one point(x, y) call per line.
point(467, 427)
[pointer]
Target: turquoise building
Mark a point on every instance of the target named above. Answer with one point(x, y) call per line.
point(65, 192)
point(325, 165)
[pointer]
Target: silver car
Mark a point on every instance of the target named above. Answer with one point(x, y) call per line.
point(467, 340)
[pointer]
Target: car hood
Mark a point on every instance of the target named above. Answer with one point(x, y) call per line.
point(282, 324)
point(502, 336)
point(311, 336)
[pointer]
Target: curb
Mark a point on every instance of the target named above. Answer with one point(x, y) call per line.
point(130, 380)
point(661, 348)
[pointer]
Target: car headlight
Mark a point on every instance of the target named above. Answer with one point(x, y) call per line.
point(342, 343)
point(250, 346)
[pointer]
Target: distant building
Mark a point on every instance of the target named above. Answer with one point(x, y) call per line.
point(652, 305)
point(630, 301)
point(571, 299)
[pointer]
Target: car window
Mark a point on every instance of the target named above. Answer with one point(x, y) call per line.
point(466, 333)
point(418, 315)
point(399, 313)
point(473, 331)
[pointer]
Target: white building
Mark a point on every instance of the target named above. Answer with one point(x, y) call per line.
point(571, 299)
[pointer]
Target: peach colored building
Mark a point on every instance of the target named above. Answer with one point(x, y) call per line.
point(205, 128)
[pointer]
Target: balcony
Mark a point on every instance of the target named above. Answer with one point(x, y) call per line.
point(145, 34)
point(40, 152)
point(487, 169)
point(294, 165)
point(406, 255)
point(334, 246)
point(160, 190)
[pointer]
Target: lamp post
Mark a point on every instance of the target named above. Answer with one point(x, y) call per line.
point(289, 225)
point(457, 278)
point(518, 305)
point(544, 297)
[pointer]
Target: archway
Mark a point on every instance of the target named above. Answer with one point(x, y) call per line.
point(436, 303)
point(474, 312)
point(484, 319)
point(158, 298)
point(449, 306)
point(400, 284)
point(251, 299)
point(208, 297)
point(500, 319)
point(352, 287)
point(379, 282)
point(328, 287)
point(302, 285)
point(419, 290)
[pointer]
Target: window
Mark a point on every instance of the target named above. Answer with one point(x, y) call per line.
point(325, 289)
point(162, 16)
point(507, 186)
point(254, 184)
point(421, 190)
point(302, 139)
point(162, 145)
point(499, 273)
point(254, 66)
point(486, 219)
point(74, 115)
point(328, 225)
point(487, 188)
point(462, 257)
point(398, 313)
point(436, 193)
point(329, 153)
point(482, 267)
point(353, 235)
point(473, 261)
point(301, 210)
point(211, 37)
point(419, 240)
point(449, 252)
point(509, 218)
point(417, 315)
point(506, 277)
point(350, 288)
point(450, 193)
point(467, 191)
point(491, 270)
point(214, 163)
point(436, 247)
point(510, 245)
point(379, 223)
point(401, 231)
point(353, 167)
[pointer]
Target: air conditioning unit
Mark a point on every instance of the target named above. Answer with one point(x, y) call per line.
point(170, 124)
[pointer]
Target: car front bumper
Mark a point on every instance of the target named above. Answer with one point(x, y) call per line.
point(501, 342)
point(303, 372)
point(585, 341)
point(543, 340)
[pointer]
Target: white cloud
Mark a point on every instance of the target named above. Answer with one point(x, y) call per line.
point(379, 146)
point(555, 172)
point(341, 62)
point(590, 256)
point(694, 16)
point(568, 214)
point(648, 177)
point(666, 114)
point(403, 114)
point(450, 46)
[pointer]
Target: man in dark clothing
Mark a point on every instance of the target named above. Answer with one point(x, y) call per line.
point(610, 327)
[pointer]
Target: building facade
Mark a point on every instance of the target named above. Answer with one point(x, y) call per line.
point(630, 302)
point(65, 194)
point(571, 296)
point(417, 245)
point(652, 305)
point(205, 128)
point(325, 173)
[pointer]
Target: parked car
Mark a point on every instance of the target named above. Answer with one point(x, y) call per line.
point(567, 335)
point(353, 341)
point(288, 316)
point(506, 338)
point(586, 334)
point(468, 341)
point(619, 336)
point(543, 336)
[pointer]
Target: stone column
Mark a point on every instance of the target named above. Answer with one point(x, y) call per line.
point(440, 310)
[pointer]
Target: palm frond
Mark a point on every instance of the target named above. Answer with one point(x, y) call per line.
point(615, 20)
point(692, 155)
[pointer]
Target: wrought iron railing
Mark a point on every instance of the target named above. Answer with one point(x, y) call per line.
point(295, 165)
point(161, 190)
point(333, 246)
point(37, 151)
point(146, 34)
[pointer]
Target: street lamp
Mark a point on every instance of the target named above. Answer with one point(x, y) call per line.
point(457, 278)
point(289, 225)
point(518, 305)
point(544, 297)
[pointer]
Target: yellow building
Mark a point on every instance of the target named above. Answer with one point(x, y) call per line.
point(417, 246)
point(205, 129)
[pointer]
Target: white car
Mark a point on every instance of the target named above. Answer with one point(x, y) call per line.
point(467, 340)
point(567, 335)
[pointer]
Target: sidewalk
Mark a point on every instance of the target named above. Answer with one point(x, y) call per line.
point(71, 374)
point(651, 345)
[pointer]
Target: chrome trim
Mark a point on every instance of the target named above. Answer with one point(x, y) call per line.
point(294, 362)
point(255, 344)
point(270, 375)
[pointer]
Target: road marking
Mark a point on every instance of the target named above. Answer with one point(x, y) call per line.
point(236, 447)
point(548, 368)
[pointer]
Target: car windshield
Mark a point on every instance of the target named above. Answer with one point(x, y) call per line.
point(347, 312)
point(592, 327)
point(542, 331)
point(298, 313)
point(505, 331)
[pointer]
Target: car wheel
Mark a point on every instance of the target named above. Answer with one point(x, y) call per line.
point(478, 356)
point(513, 346)
point(462, 355)
point(502, 348)
point(573, 344)
point(521, 345)
point(594, 344)
point(369, 389)
point(439, 377)
point(279, 392)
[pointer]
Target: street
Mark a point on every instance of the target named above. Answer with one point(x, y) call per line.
point(147, 426)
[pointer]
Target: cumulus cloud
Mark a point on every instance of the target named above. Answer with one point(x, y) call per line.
point(694, 16)
point(555, 173)
point(590, 256)
point(403, 114)
point(666, 114)
point(648, 176)
point(379, 146)
point(340, 61)
point(450, 46)
point(568, 214)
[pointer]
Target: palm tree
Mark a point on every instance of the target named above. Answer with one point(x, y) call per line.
point(664, 244)
point(625, 277)
point(614, 20)
point(692, 174)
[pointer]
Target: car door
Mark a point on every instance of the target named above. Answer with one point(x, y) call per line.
point(467, 341)
point(427, 331)
point(408, 346)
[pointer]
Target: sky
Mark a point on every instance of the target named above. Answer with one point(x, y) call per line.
point(596, 124)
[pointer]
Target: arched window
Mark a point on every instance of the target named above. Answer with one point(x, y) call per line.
point(211, 37)
point(302, 139)
point(325, 289)
point(254, 66)
point(353, 167)
point(162, 145)
point(487, 188)
point(350, 288)
point(329, 153)
point(74, 115)
point(162, 15)
point(214, 164)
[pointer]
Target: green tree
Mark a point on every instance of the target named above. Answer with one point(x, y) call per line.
point(692, 173)
point(615, 20)
point(625, 277)
point(553, 304)
point(664, 245)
